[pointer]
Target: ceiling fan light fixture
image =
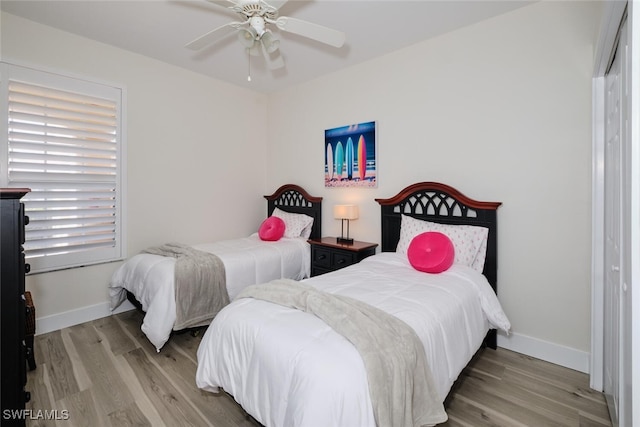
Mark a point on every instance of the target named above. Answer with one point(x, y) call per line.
point(255, 50)
point(271, 44)
point(247, 37)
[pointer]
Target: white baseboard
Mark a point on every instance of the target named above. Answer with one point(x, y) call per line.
point(75, 317)
point(544, 350)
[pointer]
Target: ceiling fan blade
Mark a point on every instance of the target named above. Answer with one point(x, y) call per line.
point(224, 3)
point(276, 4)
point(310, 30)
point(274, 60)
point(213, 35)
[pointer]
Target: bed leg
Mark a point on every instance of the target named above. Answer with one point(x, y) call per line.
point(491, 340)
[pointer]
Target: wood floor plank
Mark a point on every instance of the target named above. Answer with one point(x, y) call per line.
point(111, 359)
point(537, 406)
point(111, 331)
point(566, 394)
point(130, 416)
point(173, 407)
point(141, 399)
point(111, 392)
point(539, 368)
point(465, 412)
point(586, 420)
point(178, 363)
point(188, 343)
point(40, 389)
point(83, 410)
point(79, 369)
point(51, 350)
point(130, 322)
point(487, 367)
point(182, 371)
point(514, 408)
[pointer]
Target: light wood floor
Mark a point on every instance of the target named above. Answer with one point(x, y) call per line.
point(106, 373)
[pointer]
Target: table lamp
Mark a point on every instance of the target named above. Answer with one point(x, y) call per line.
point(345, 213)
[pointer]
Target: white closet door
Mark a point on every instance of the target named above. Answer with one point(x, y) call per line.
point(612, 238)
point(628, 222)
point(617, 265)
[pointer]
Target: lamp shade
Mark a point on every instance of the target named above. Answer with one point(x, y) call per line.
point(345, 212)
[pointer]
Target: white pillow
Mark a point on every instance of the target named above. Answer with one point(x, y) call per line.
point(306, 233)
point(469, 241)
point(296, 225)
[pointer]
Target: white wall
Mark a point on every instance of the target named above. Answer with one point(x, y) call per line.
point(189, 150)
point(500, 110)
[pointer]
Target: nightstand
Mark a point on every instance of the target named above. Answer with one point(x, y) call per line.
point(328, 255)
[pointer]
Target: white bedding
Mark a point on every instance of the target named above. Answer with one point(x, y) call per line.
point(247, 261)
point(288, 368)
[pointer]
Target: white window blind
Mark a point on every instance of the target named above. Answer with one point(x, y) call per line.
point(64, 143)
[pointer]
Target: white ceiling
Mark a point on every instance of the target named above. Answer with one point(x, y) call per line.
point(160, 29)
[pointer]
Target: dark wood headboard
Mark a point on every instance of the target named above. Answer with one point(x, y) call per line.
point(432, 201)
point(294, 199)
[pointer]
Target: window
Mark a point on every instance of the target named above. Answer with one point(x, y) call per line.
point(63, 139)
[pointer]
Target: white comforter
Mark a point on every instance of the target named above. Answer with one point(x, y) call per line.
point(288, 368)
point(247, 261)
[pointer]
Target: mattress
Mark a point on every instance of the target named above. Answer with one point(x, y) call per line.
point(288, 368)
point(247, 261)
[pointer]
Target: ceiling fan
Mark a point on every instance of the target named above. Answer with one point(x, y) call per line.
point(256, 36)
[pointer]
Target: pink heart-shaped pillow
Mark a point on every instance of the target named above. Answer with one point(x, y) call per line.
point(431, 252)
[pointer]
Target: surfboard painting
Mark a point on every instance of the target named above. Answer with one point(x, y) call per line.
point(347, 163)
point(348, 158)
point(362, 158)
point(339, 160)
point(329, 161)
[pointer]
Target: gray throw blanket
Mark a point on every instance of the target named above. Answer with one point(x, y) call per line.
point(200, 284)
point(400, 382)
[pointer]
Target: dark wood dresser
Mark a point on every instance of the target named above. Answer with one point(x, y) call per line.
point(13, 363)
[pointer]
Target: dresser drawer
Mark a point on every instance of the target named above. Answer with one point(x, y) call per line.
point(341, 259)
point(321, 257)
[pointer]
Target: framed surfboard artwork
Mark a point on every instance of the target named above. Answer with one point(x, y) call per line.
point(350, 156)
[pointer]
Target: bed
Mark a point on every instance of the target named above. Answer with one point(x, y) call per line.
point(287, 367)
point(148, 280)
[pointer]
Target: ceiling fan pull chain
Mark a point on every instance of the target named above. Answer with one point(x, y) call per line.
point(249, 68)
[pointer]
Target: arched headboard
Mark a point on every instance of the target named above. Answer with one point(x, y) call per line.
point(294, 199)
point(436, 202)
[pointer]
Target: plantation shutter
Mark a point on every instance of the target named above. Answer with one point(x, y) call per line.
point(64, 144)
